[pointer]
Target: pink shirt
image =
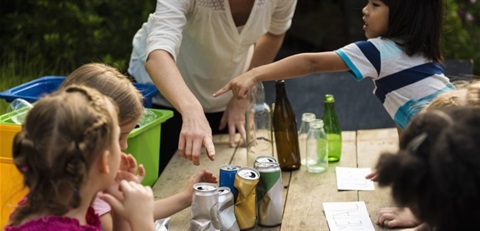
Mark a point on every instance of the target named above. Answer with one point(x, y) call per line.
point(60, 223)
point(101, 207)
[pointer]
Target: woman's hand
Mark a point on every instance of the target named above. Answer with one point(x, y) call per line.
point(234, 116)
point(195, 134)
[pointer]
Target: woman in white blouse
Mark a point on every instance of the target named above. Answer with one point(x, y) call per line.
point(191, 48)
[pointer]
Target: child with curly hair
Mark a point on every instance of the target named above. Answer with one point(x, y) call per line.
point(436, 171)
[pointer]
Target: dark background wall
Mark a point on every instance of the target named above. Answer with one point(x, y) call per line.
point(356, 106)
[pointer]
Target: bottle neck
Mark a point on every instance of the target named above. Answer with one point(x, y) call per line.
point(329, 107)
point(280, 89)
point(258, 92)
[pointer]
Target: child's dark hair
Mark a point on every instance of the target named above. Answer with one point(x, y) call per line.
point(436, 172)
point(63, 134)
point(418, 24)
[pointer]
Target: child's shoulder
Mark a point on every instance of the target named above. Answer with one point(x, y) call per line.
point(378, 43)
point(382, 41)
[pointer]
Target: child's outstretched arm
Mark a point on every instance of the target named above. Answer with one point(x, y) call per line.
point(168, 206)
point(287, 68)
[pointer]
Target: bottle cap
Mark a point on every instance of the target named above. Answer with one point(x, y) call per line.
point(329, 98)
point(308, 117)
point(317, 123)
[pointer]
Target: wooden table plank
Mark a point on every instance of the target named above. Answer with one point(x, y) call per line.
point(303, 192)
point(370, 145)
point(307, 192)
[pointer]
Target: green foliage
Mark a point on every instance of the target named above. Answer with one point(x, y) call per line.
point(462, 31)
point(62, 35)
point(50, 37)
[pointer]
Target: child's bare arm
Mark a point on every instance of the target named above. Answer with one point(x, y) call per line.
point(287, 68)
point(176, 203)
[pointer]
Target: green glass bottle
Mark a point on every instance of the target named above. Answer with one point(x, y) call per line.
point(332, 128)
point(285, 130)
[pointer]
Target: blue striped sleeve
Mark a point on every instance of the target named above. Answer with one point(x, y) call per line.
point(353, 69)
point(372, 53)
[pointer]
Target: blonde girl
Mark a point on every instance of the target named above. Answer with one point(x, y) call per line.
point(110, 82)
point(68, 151)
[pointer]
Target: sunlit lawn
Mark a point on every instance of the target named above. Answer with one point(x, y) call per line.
point(16, 73)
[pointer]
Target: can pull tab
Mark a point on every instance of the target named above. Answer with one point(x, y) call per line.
point(215, 216)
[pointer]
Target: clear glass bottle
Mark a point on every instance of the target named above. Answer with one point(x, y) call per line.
point(307, 117)
point(285, 130)
point(332, 129)
point(317, 148)
point(258, 126)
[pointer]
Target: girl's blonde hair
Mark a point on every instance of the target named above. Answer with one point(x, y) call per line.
point(466, 95)
point(110, 82)
point(62, 136)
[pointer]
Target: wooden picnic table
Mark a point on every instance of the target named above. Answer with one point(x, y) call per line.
point(303, 192)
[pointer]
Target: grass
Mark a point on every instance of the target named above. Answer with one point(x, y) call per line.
point(16, 71)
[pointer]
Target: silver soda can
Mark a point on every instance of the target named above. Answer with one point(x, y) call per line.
point(204, 208)
point(269, 194)
point(246, 181)
point(226, 210)
point(263, 159)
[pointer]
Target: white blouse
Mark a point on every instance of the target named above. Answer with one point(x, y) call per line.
point(206, 44)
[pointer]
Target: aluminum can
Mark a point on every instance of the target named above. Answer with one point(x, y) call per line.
point(246, 181)
point(227, 177)
point(269, 194)
point(226, 210)
point(262, 159)
point(204, 216)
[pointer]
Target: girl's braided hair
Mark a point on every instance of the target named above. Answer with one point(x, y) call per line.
point(63, 134)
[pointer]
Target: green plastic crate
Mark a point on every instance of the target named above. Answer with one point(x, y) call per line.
point(8, 130)
point(144, 144)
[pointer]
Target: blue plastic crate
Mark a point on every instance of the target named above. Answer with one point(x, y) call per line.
point(33, 90)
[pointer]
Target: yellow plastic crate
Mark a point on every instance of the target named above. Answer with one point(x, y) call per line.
point(11, 189)
point(11, 184)
point(7, 133)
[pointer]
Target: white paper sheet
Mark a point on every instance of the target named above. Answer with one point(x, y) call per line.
point(353, 179)
point(347, 216)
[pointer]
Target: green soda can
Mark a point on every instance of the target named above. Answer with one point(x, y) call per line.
point(269, 194)
point(262, 159)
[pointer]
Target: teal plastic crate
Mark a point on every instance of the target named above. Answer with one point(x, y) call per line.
point(144, 144)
